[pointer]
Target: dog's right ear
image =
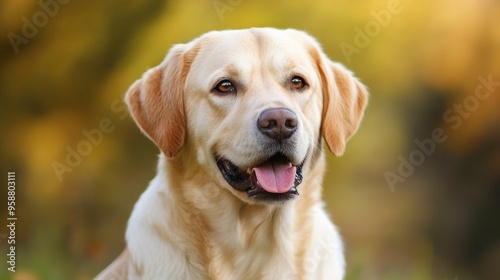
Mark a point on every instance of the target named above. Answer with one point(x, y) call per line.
point(156, 100)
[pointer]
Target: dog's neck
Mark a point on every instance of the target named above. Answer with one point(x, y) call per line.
point(200, 226)
point(233, 229)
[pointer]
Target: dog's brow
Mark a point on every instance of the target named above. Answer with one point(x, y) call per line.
point(231, 70)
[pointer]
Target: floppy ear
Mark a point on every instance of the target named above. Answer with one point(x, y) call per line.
point(344, 101)
point(156, 101)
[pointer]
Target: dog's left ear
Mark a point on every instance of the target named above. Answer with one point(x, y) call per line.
point(344, 101)
point(156, 100)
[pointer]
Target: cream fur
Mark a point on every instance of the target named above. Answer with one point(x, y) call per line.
point(189, 223)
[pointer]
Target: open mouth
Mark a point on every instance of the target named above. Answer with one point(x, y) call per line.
point(275, 179)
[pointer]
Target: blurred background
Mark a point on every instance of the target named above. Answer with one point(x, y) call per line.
point(416, 196)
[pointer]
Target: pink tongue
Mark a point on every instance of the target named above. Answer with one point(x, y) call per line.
point(275, 177)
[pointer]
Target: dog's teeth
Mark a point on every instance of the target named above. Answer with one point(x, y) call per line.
point(294, 190)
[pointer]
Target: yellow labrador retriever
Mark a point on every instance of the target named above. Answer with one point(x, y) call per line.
point(240, 117)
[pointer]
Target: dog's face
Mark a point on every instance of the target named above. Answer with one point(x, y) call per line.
point(250, 106)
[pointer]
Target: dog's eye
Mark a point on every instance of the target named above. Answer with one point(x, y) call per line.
point(225, 86)
point(297, 83)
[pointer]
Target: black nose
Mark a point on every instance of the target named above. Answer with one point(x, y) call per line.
point(277, 123)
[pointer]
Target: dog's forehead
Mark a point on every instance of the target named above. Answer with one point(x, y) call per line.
point(279, 48)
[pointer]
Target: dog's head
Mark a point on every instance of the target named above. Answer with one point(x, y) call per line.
point(250, 106)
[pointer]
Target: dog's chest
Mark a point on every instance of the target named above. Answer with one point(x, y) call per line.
point(252, 255)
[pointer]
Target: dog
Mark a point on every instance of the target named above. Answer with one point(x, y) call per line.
point(240, 117)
